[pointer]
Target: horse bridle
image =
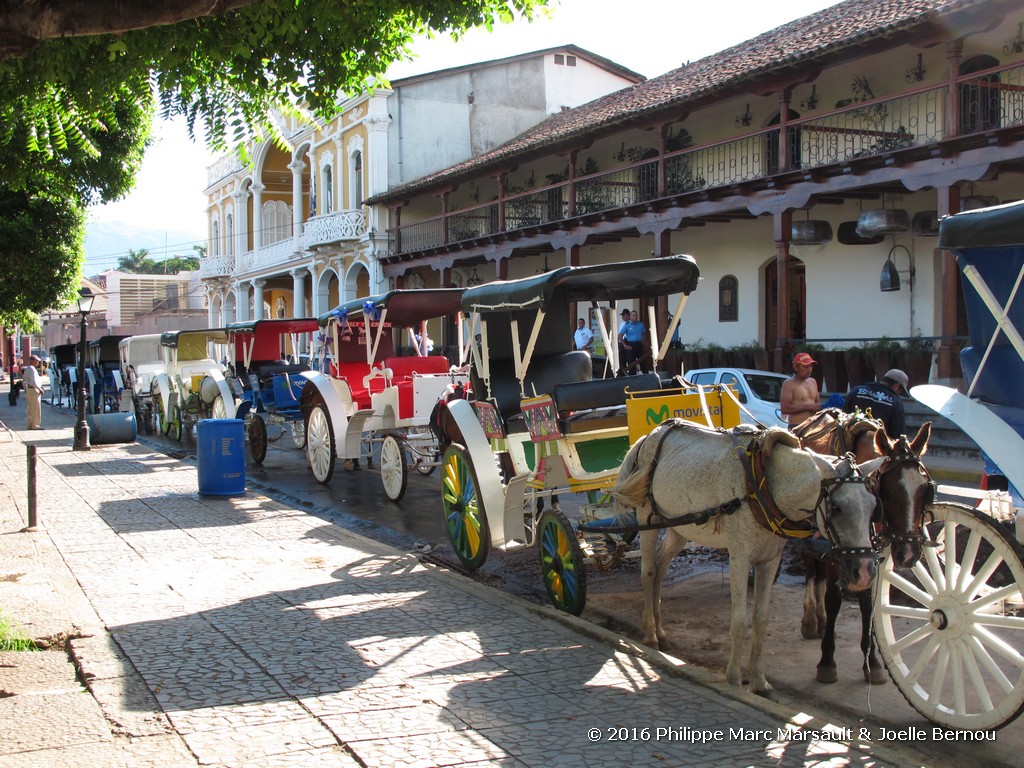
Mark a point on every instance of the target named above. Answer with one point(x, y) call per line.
point(823, 508)
point(887, 536)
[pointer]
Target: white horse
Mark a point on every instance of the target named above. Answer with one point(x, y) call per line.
point(685, 470)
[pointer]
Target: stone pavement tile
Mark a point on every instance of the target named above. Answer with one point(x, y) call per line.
point(394, 722)
point(48, 720)
point(428, 750)
point(164, 751)
point(91, 755)
point(129, 706)
point(324, 757)
point(29, 672)
point(236, 716)
point(253, 743)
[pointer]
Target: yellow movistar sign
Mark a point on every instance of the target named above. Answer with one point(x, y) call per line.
point(645, 411)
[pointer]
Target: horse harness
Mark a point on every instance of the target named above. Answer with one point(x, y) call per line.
point(763, 507)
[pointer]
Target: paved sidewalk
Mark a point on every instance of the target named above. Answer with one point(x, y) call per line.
point(244, 632)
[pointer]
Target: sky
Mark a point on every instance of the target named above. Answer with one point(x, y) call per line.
point(166, 213)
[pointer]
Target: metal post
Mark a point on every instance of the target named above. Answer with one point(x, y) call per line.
point(82, 428)
point(30, 456)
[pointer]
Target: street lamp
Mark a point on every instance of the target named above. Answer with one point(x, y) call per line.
point(85, 300)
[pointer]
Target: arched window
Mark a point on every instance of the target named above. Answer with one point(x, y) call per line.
point(327, 189)
point(728, 300)
point(215, 239)
point(229, 235)
point(980, 96)
point(356, 159)
point(277, 221)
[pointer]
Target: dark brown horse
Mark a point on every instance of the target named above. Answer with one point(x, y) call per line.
point(903, 489)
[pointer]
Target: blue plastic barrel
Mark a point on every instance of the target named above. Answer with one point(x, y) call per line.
point(220, 453)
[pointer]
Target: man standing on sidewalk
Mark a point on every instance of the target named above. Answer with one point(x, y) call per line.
point(33, 384)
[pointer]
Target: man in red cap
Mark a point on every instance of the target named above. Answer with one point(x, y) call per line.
point(881, 399)
point(799, 399)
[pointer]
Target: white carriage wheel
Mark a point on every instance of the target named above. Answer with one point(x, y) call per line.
point(218, 410)
point(394, 471)
point(320, 453)
point(951, 629)
point(299, 433)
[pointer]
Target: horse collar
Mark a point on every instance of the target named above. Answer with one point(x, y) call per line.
point(762, 506)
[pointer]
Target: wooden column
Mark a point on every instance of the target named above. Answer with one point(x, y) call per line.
point(783, 223)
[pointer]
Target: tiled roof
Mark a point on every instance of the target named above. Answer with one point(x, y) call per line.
point(819, 35)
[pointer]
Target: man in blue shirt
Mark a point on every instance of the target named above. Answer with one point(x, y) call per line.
point(631, 336)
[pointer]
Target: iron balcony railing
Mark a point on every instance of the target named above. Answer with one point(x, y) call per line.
point(989, 100)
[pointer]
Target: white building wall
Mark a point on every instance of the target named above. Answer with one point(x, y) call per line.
point(571, 86)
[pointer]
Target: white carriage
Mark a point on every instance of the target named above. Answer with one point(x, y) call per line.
point(193, 384)
point(365, 400)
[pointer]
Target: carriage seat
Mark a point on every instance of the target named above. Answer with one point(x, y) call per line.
point(544, 374)
point(273, 369)
point(407, 367)
point(585, 406)
point(353, 372)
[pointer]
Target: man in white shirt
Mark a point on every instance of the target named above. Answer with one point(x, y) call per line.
point(583, 337)
point(33, 384)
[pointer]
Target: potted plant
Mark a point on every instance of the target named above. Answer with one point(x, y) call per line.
point(858, 367)
point(833, 369)
point(915, 359)
point(881, 355)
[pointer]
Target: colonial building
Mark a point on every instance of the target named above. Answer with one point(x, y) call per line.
point(805, 169)
point(291, 234)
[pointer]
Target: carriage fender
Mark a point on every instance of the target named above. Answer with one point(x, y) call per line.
point(319, 385)
point(230, 404)
point(162, 383)
point(478, 449)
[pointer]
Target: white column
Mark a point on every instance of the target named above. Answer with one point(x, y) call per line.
point(298, 292)
point(241, 228)
point(242, 302)
point(257, 299)
point(257, 216)
point(296, 168)
point(224, 319)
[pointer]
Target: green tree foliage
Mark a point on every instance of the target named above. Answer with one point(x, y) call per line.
point(227, 68)
point(140, 263)
point(41, 252)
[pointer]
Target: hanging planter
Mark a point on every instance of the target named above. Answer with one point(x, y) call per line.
point(926, 223)
point(848, 235)
point(883, 222)
point(811, 232)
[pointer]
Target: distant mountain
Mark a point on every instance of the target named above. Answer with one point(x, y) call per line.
point(106, 242)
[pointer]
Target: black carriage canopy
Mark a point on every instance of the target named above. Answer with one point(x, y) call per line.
point(63, 354)
point(405, 308)
point(642, 279)
point(107, 347)
point(994, 227)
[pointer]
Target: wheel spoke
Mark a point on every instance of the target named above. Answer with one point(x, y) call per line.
point(913, 637)
point(967, 650)
point(980, 581)
point(910, 590)
point(934, 645)
point(980, 654)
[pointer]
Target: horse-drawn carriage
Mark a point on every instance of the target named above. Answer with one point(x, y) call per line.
point(266, 363)
point(63, 362)
point(141, 360)
point(951, 629)
point(363, 395)
point(106, 383)
point(192, 385)
point(540, 426)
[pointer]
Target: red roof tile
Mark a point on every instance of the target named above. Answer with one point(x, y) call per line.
point(819, 35)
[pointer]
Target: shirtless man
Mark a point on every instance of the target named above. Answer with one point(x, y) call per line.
point(800, 399)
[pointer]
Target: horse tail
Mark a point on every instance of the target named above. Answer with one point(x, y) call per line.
point(634, 483)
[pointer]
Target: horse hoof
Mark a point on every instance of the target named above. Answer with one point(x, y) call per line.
point(827, 675)
point(809, 631)
point(875, 676)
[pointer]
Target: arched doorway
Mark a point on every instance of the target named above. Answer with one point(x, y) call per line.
point(797, 302)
